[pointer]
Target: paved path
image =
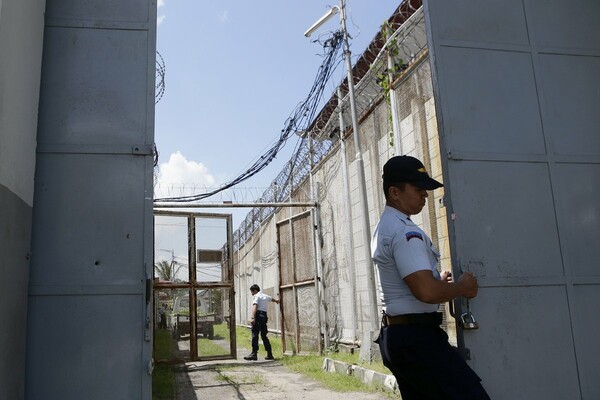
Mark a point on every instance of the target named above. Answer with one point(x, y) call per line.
point(256, 380)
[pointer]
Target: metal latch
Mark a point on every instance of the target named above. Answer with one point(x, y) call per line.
point(467, 320)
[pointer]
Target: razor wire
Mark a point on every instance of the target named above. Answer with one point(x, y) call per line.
point(159, 89)
point(297, 122)
point(403, 46)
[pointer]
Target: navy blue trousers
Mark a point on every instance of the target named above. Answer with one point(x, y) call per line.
point(426, 366)
point(260, 327)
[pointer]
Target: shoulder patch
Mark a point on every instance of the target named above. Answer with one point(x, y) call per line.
point(413, 234)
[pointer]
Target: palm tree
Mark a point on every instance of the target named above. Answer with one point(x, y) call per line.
point(167, 271)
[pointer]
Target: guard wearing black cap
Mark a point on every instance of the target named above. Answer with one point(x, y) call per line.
point(412, 344)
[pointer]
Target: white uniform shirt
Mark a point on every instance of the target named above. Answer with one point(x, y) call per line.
point(262, 301)
point(400, 248)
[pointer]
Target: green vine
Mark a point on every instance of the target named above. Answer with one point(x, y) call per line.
point(386, 78)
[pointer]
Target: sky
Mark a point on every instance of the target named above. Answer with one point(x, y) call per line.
point(234, 72)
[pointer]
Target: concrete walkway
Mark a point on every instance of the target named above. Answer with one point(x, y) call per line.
point(252, 380)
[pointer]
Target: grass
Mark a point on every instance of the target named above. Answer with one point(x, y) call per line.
point(163, 382)
point(207, 347)
point(311, 366)
point(255, 379)
point(221, 331)
point(349, 358)
point(163, 378)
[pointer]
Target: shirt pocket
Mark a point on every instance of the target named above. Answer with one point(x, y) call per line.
point(436, 253)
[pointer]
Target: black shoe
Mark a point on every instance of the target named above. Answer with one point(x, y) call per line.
point(269, 357)
point(251, 357)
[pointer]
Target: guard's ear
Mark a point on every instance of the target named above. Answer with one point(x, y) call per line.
point(394, 192)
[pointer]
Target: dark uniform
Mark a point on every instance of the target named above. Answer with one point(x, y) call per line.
point(412, 344)
point(260, 324)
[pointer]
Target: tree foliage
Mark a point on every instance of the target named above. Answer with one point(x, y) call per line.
point(167, 271)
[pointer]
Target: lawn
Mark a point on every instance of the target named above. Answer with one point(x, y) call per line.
point(311, 366)
point(215, 347)
point(163, 378)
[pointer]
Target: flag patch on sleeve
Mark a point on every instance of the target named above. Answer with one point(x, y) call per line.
point(413, 234)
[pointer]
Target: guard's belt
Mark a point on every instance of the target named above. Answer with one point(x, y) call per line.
point(434, 318)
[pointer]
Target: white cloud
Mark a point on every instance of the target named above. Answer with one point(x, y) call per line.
point(182, 177)
point(224, 17)
point(160, 18)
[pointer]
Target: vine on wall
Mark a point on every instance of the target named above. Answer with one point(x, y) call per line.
point(386, 78)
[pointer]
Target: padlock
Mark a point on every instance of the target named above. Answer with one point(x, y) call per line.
point(467, 321)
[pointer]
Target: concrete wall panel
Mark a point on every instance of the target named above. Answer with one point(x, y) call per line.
point(21, 38)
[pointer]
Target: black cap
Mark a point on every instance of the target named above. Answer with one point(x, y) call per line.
point(408, 169)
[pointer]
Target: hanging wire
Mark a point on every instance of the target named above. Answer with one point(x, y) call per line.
point(298, 121)
point(409, 41)
point(408, 38)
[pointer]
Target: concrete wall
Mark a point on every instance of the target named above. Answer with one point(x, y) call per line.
point(345, 292)
point(21, 37)
point(256, 262)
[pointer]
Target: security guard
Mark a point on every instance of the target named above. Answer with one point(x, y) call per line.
point(412, 344)
point(260, 303)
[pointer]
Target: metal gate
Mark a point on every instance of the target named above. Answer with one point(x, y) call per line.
point(517, 98)
point(298, 272)
point(193, 281)
point(89, 308)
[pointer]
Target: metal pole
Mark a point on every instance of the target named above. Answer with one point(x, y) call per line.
point(362, 189)
point(260, 258)
point(239, 285)
point(296, 347)
point(158, 205)
point(348, 213)
point(316, 230)
point(393, 104)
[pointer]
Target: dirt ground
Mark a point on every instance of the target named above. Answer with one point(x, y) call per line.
point(252, 380)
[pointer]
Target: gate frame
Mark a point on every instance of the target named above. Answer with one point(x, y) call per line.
point(164, 207)
point(315, 280)
point(192, 285)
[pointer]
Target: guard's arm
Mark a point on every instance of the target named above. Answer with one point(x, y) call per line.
point(254, 308)
point(425, 287)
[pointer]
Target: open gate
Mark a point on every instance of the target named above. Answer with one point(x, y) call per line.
point(517, 100)
point(193, 281)
point(298, 277)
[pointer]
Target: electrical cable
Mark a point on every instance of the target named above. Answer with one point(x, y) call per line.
point(298, 121)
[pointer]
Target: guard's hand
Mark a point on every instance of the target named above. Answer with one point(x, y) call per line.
point(446, 276)
point(468, 285)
